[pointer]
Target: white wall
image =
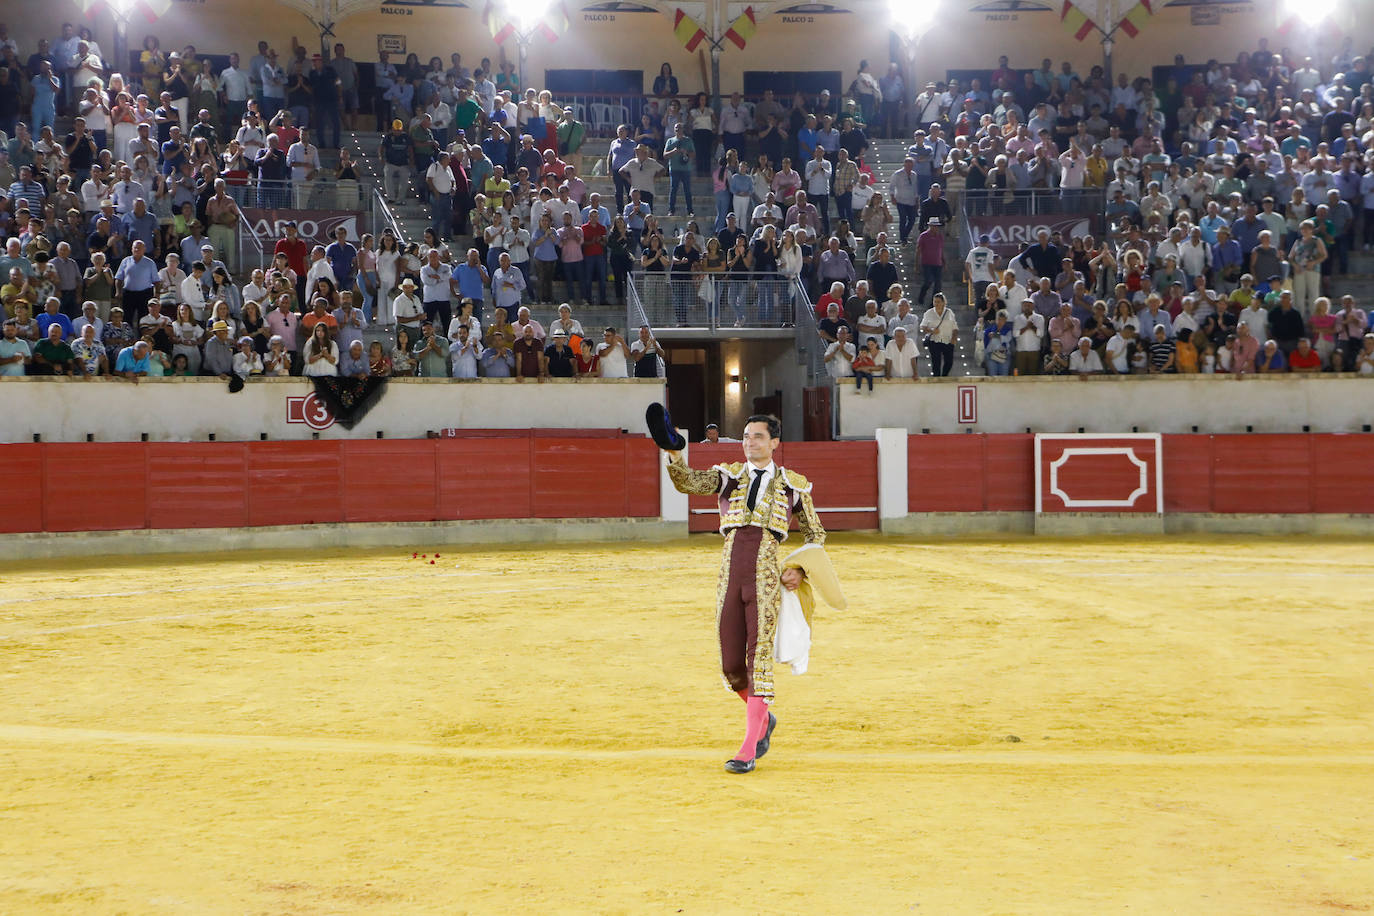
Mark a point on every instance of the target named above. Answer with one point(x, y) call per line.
point(1170, 404)
point(66, 410)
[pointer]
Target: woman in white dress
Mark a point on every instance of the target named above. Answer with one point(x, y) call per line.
point(186, 338)
point(321, 353)
point(388, 277)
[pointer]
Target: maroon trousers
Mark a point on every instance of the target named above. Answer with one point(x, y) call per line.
point(739, 611)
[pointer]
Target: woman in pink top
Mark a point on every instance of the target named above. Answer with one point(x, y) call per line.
point(367, 274)
point(1322, 329)
point(786, 181)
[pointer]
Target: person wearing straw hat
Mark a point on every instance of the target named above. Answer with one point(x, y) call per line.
point(758, 499)
point(408, 309)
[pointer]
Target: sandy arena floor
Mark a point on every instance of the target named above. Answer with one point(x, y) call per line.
point(521, 732)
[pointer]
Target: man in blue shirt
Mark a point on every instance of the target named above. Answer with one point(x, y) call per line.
point(52, 315)
point(1246, 230)
point(497, 360)
point(141, 226)
point(135, 282)
point(343, 258)
point(1227, 260)
point(133, 361)
point(45, 89)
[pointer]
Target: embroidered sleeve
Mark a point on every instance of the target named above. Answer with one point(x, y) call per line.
point(694, 482)
point(807, 519)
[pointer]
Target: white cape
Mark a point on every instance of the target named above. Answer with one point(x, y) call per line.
point(792, 639)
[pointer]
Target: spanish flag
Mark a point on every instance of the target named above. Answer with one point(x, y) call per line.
point(743, 28)
point(1135, 20)
point(498, 25)
point(555, 22)
point(1076, 22)
point(687, 31)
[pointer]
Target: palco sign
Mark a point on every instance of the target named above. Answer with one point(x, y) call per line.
point(316, 227)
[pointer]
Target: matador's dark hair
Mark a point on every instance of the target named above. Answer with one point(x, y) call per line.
point(774, 424)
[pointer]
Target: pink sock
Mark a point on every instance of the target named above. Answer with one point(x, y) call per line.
point(755, 724)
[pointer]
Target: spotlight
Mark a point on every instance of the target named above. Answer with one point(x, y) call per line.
point(527, 13)
point(1310, 12)
point(912, 18)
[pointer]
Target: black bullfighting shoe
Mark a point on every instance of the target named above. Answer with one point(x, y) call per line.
point(762, 747)
point(739, 766)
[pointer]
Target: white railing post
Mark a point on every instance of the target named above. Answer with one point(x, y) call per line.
point(893, 496)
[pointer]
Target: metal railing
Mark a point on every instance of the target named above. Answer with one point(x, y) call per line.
point(715, 301)
point(383, 217)
point(252, 252)
point(1033, 202)
point(316, 194)
point(810, 347)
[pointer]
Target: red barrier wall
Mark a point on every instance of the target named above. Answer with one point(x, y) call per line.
point(479, 475)
point(844, 475)
point(1293, 474)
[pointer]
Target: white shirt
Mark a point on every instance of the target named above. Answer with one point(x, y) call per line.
point(842, 365)
point(613, 364)
point(235, 84)
point(1116, 353)
point(463, 357)
point(441, 176)
point(404, 306)
point(941, 326)
point(901, 358)
point(435, 281)
point(980, 261)
point(1029, 330)
point(751, 473)
point(303, 159)
point(1258, 320)
point(818, 177)
point(318, 269)
point(193, 294)
point(1080, 363)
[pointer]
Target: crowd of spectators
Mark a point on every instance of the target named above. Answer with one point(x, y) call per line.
point(1233, 190)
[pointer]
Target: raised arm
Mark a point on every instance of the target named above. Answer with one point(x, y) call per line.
point(691, 481)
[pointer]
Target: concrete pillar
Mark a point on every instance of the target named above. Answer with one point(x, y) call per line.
point(672, 504)
point(892, 474)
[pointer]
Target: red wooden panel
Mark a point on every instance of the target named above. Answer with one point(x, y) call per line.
point(23, 464)
point(484, 477)
point(295, 483)
point(94, 486)
point(642, 460)
point(578, 478)
point(1098, 472)
point(1343, 473)
point(843, 475)
point(197, 484)
point(944, 473)
point(1261, 473)
point(1010, 472)
point(389, 480)
point(1187, 473)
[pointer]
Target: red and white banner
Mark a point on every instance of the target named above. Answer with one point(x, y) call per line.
point(1099, 473)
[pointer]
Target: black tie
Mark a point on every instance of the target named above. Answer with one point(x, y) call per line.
point(754, 488)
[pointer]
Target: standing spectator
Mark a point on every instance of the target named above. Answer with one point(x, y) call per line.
point(1067, 329)
point(839, 356)
point(930, 247)
point(326, 96)
point(570, 254)
point(648, 355)
point(436, 278)
point(980, 267)
point(441, 183)
point(219, 352)
point(999, 339)
point(321, 354)
point(135, 282)
point(941, 330)
point(497, 360)
point(1306, 256)
point(397, 157)
point(529, 351)
point(431, 353)
point(558, 361)
point(304, 159)
point(465, 353)
point(1245, 348)
point(900, 355)
point(1056, 363)
point(1029, 327)
point(613, 355)
point(679, 152)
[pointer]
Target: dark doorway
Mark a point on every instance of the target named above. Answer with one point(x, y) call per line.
point(693, 387)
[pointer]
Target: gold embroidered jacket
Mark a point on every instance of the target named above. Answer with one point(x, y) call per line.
point(788, 493)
